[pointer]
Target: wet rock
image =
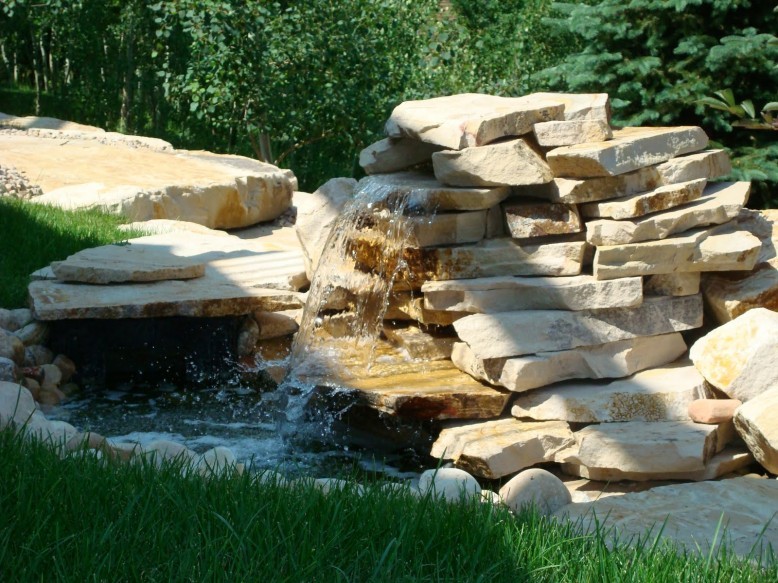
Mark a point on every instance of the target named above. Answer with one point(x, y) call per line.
point(124, 451)
point(16, 405)
point(526, 220)
point(13, 320)
point(70, 389)
point(277, 324)
point(163, 450)
point(637, 205)
point(730, 294)
point(50, 396)
point(511, 163)
point(52, 376)
point(505, 294)
point(33, 386)
point(721, 203)
point(316, 215)
point(740, 357)
point(757, 423)
point(657, 394)
point(453, 228)
point(672, 284)
point(533, 331)
point(218, 461)
point(9, 372)
point(425, 192)
point(393, 154)
point(630, 149)
point(713, 411)
point(11, 347)
point(420, 345)
point(466, 120)
point(535, 487)
point(551, 134)
point(87, 440)
point(722, 248)
point(610, 360)
point(66, 367)
point(248, 337)
point(493, 449)
point(452, 484)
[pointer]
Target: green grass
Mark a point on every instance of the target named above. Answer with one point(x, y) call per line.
point(80, 519)
point(34, 235)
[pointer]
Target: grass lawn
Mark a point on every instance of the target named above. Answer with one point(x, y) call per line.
point(82, 519)
point(34, 235)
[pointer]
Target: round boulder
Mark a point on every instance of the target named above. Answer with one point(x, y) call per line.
point(535, 487)
point(452, 484)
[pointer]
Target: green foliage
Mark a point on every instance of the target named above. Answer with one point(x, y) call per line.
point(34, 235)
point(82, 519)
point(661, 61)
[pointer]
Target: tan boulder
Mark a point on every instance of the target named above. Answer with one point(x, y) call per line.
point(392, 154)
point(740, 357)
point(526, 220)
point(757, 423)
point(536, 488)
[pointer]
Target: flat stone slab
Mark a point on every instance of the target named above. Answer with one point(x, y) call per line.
point(730, 459)
point(611, 360)
point(552, 134)
point(493, 449)
point(658, 394)
point(533, 331)
point(595, 106)
point(722, 248)
point(241, 276)
point(425, 192)
point(643, 203)
point(444, 228)
point(126, 262)
point(509, 163)
point(630, 149)
point(730, 294)
point(469, 119)
point(491, 257)
point(740, 358)
point(393, 154)
point(757, 423)
point(721, 202)
point(526, 220)
point(690, 515)
point(217, 191)
point(506, 294)
point(410, 306)
point(707, 164)
point(657, 447)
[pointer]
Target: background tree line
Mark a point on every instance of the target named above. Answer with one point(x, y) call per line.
point(308, 84)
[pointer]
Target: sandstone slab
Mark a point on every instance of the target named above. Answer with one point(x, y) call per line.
point(552, 134)
point(580, 105)
point(730, 294)
point(672, 284)
point(470, 119)
point(685, 515)
point(722, 248)
point(444, 228)
point(740, 357)
point(707, 164)
point(410, 306)
point(419, 344)
point(656, 447)
point(240, 276)
point(505, 294)
point(630, 149)
point(713, 410)
point(392, 154)
point(508, 163)
point(493, 449)
point(720, 203)
point(611, 360)
point(526, 220)
point(730, 459)
point(491, 257)
point(126, 262)
point(532, 331)
point(216, 191)
point(425, 192)
point(757, 423)
point(657, 394)
point(643, 203)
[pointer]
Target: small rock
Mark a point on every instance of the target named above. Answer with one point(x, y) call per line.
point(66, 366)
point(248, 337)
point(9, 372)
point(215, 462)
point(163, 450)
point(33, 386)
point(18, 319)
point(50, 396)
point(52, 376)
point(37, 355)
point(16, 404)
point(70, 389)
point(713, 411)
point(740, 357)
point(124, 451)
point(276, 324)
point(452, 484)
point(536, 487)
point(33, 333)
point(88, 440)
point(11, 347)
point(757, 423)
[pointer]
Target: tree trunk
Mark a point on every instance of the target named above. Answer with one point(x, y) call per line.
point(36, 67)
point(129, 73)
